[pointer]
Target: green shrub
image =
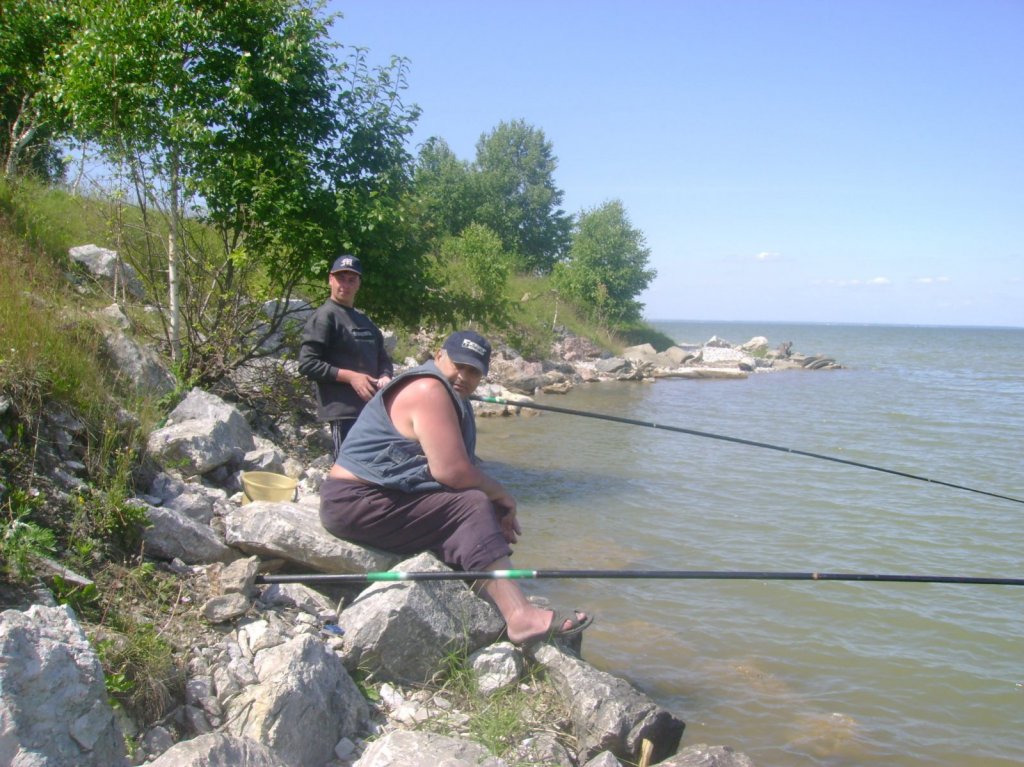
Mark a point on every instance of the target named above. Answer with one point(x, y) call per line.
point(21, 540)
point(634, 335)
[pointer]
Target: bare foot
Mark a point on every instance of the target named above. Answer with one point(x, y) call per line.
point(536, 624)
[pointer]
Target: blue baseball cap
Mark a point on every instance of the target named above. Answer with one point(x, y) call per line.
point(347, 263)
point(468, 348)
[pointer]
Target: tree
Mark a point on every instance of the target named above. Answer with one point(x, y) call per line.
point(473, 270)
point(518, 196)
point(607, 266)
point(237, 118)
point(446, 188)
point(31, 31)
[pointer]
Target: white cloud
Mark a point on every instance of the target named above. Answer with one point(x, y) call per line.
point(932, 280)
point(768, 255)
point(857, 283)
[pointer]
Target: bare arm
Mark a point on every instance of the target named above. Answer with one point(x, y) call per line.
point(423, 410)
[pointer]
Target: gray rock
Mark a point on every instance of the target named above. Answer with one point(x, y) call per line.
point(166, 486)
point(203, 433)
point(725, 357)
point(104, 263)
point(196, 447)
point(545, 749)
point(758, 345)
point(525, 384)
point(53, 703)
point(613, 365)
point(264, 457)
point(641, 353)
point(406, 748)
point(239, 577)
point(137, 363)
point(674, 356)
point(604, 759)
point(173, 535)
point(702, 755)
point(608, 713)
point(200, 692)
point(198, 503)
point(573, 348)
point(157, 740)
point(299, 681)
point(115, 317)
point(497, 667)
point(292, 531)
point(216, 749)
point(298, 595)
point(401, 631)
point(225, 607)
point(292, 315)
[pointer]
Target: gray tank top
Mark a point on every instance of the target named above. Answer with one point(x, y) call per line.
point(375, 451)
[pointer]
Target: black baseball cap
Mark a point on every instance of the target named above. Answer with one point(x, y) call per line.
point(347, 263)
point(469, 348)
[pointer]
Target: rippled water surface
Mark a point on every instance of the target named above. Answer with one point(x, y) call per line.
point(799, 674)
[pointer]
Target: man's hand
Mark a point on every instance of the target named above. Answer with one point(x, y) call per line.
point(364, 385)
point(506, 508)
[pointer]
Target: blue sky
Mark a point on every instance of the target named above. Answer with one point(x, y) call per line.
point(787, 160)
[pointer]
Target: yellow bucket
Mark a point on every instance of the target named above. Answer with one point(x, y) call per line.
point(268, 486)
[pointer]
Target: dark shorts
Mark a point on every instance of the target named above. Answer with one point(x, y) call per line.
point(459, 527)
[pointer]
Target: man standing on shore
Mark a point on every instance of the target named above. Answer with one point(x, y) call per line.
point(343, 352)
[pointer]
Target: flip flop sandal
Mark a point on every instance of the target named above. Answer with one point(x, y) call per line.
point(555, 630)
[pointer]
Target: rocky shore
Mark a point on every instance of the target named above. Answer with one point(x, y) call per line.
point(270, 669)
point(307, 675)
point(576, 361)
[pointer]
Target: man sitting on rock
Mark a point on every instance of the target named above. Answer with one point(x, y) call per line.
point(406, 481)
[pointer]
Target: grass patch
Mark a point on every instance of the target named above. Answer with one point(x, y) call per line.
point(503, 720)
point(634, 335)
point(49, 352)
point(50, 220)
point(22, 540)
point(142, 625)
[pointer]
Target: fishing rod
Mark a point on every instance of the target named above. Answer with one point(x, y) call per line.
point(730, 575)
point(738, 441)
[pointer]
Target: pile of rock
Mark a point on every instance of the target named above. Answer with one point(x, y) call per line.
point(270, 678)
point(577, 361)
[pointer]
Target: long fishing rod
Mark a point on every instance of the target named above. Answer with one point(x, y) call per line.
point(738, 441)
point(730, 575)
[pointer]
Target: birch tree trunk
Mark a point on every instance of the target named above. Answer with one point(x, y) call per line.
point(22, 130)
point(172, 267)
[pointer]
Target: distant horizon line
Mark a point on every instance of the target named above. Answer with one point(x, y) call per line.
point(833, 323)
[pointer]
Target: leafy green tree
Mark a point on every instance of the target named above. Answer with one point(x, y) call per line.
point(446, 188)
point(607, 266)
point(31, 32)
point(240, 118)
point(371, 179)
point(473, 270)
point(518, 196)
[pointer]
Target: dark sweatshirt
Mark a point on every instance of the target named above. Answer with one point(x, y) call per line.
point(337, 337)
